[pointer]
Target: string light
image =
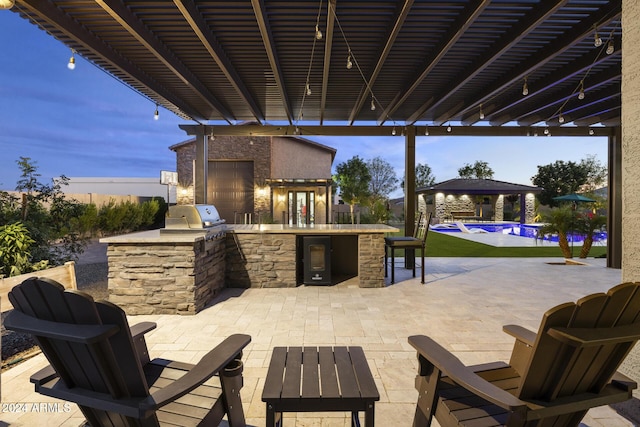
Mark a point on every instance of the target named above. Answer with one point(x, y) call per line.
point(481, 113)
point(449, 128)
point(318, 33)
point(546, 131)
point(525, 88)
point(393, 131)
point(373, 104)
point(591, 132)
point(426, 130)
point(597, 41)
point(581, 93)
point(156, 115)
point(610, 48)
point(560, 118)
point(349, 63)
point(308, 89)
point(72, 61)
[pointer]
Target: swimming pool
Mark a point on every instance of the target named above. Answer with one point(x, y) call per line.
point(514, 229)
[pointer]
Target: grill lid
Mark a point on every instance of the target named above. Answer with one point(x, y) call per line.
point(192, 217)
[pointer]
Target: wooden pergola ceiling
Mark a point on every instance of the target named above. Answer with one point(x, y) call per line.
point(422, 62)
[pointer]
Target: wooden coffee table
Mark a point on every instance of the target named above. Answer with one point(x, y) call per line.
point(319, 379)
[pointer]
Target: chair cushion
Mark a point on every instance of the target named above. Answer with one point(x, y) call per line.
point(402, 241)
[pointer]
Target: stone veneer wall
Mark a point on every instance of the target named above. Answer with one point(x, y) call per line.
point(256, 149)
point(169, 278)
point(261, 260)
point(266, 260)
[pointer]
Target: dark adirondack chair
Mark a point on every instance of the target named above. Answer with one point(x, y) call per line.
point(417, 241)
point(99, 363)
point(553, 377)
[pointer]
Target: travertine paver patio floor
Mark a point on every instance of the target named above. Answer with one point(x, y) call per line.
point(463, 305)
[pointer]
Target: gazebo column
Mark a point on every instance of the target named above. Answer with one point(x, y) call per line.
point(409, 191)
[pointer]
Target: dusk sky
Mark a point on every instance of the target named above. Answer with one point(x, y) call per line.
point(85, 123)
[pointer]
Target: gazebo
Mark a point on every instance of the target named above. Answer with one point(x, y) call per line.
point(457, 198)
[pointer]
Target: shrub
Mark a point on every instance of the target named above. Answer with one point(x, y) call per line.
point(14, 249)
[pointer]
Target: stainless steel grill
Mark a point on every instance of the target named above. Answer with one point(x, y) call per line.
point(182, 218)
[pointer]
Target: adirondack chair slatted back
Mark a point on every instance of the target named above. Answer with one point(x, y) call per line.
point(110, 365)
point(557, 369)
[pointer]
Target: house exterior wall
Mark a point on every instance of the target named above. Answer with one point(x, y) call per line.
point(274, 158)
point(255, 149)
point(311, 162)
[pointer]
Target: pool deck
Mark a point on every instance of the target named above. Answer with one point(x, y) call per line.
point(463, 306)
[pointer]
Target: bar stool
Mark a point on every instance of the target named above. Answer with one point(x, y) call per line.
point(418, 241)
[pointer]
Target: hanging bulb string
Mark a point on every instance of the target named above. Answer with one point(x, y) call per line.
point(354, 62)
point(580, 86)
point(307, 86)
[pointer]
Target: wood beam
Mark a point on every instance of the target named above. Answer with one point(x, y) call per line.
point(270, 48)
point(328, 46)
point(446, 43)
point(580, 66)
point(129, 22)
point(304, 131)
point(531, 21)
point(548, 54)
point(382, 57)
point(209, 41)
point(87, 44)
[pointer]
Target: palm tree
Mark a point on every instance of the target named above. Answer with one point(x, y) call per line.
point(560, 221)
point(588, 224)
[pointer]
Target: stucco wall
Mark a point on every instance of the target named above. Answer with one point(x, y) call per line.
point(630, 141)
point(311, 162)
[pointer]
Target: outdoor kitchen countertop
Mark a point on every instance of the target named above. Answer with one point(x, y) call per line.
point(191, 235)
point(312, 229)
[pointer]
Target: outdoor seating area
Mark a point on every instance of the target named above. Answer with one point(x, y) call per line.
point(463, 307)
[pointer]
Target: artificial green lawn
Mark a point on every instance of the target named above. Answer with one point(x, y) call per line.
point(442, 245)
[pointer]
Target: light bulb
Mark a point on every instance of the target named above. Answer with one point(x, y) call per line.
point(426, 131)
point(546, 131)
point(581, 93)
point(393, 131)
point(597, 41)
point(481, 113)
point(591, 132)
point(525, 88)
point(449, 128)
point(72, 61)
point(373, 105)
point(156, 115)
point(6, 4)
point(610, 48)
point(318, 33)
point(560, 118)
point(349, 63)
point(308, 89)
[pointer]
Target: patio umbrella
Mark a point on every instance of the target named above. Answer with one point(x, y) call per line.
point(573, 197)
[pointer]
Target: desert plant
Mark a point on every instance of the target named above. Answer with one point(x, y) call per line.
point(560, 221)
point(587, 224)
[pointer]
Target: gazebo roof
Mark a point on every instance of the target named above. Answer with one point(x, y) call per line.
point(477, 186)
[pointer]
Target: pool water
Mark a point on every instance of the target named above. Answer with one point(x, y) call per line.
point(517, 229)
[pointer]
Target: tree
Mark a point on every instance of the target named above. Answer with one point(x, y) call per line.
point(353, 178)
point(596, 173)
point(479, 170)
point(383, 178)
point(424, 176)
point(559, 178)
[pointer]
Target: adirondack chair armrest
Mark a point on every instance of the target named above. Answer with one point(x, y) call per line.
point(142, 328)
point(86, 334)
point(520, 333)
point(589, 337)
point(452, 367)
point(212, 363)
point(622, 381)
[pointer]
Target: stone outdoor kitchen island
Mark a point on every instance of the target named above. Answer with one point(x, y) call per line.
point(155, 273)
